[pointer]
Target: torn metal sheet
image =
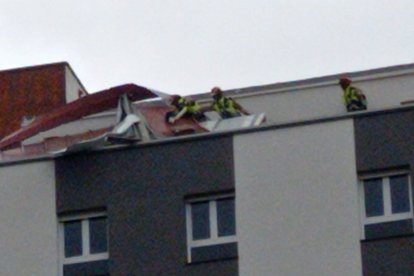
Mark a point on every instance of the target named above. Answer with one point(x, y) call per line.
point(126, 124)
point(131, 124)
point(84, 145)
point(234, 123)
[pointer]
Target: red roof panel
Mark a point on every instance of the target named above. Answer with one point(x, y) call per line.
point(155, 117)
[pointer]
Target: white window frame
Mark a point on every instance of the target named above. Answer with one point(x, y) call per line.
point(86, 256)
point(388, 216)
point(214, 238)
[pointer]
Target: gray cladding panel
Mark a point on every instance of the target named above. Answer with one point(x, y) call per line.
point(96, 268)
point(214, 252)
point(143, 190)
point(388, 257)
point(384, 140)
point(389, 229)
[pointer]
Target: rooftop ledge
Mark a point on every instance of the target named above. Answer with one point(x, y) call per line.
point(406, 106)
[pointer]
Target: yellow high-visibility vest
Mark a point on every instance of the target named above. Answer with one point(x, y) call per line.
point(350, 94)
point(225, 104)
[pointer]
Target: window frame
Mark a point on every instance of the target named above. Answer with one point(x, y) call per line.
point(214, 238)
point(388, 216)
point(86, 256)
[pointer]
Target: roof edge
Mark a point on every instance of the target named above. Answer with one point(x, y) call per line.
point(210, 135)
point(64, 64)
point(34, 67)
point(313, 81)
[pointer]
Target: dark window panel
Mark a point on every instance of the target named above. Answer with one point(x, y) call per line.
point(73, 238)
point(96, 268)
point(98, 235)
point(400, 199)
point(201, 220)
point(214, 252)
point(389, 229)
point(226, 221)
point(374, 205)
point(388, 257)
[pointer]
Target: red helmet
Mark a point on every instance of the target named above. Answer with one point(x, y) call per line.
point(174, 99)
point(344, 82)
point(216, 90)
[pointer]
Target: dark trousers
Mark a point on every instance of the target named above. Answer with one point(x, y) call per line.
point(355, 105)
point(226, 115)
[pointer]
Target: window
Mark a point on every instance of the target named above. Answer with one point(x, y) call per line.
point(386, 205)
point(211, 228)
point(84, 243)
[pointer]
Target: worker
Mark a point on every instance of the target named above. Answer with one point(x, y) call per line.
point(226, 107)
point(354, 99)
point(184, 108)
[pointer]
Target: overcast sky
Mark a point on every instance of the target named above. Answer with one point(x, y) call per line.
point(188, 46)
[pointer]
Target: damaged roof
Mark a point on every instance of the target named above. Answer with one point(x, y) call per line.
point(123, 123)
point(107, 118)
point(88, 105)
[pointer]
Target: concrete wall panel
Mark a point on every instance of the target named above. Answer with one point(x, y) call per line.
point(28, 225)
point(325, 100)
point(297, 201)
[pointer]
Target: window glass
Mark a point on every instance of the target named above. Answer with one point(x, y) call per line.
point(98, 235)
point(201, 220)
point(225, 217)
point(374, 205)
point(400, 200)
point(73, 238)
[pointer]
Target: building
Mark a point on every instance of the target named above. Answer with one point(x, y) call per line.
point(313, 191)
point(32, 91)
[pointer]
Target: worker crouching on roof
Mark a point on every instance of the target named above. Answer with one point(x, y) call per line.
point(184, 108)
point(226, 107)
point(354, 99)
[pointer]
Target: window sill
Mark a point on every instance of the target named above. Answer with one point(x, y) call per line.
point(211, 261)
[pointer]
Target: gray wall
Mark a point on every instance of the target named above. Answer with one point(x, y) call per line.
point(384, 142)
point(324, 99)
point(297, 201)
point(143, 190)
point(28, 239)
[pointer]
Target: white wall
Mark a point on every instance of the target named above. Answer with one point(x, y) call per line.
point(28, 226)
point(72, 86)
point(297, 201)
point(325, 99)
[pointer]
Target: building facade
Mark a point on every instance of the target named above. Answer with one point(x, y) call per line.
point(319, 192)
point(32, 91)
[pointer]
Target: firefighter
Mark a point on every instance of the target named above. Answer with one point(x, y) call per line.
point(184, 108)
point(354, 99)
point(226, 107)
